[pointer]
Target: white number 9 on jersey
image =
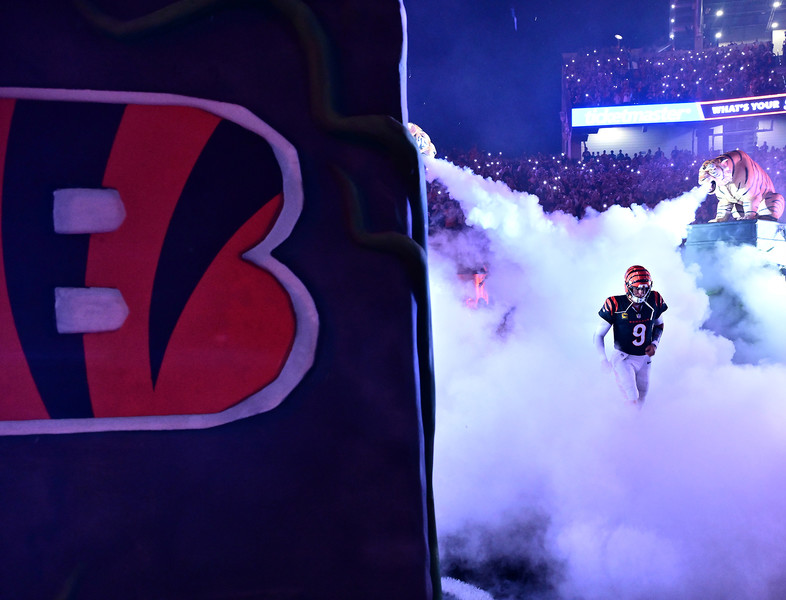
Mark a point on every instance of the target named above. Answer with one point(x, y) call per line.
point(639, 331)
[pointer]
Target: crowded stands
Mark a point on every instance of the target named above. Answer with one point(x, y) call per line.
point(620, 76)
point(596, 181)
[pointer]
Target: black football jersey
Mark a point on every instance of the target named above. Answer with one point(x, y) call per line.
point(632, 323)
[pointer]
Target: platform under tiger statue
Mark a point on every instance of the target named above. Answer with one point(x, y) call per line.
point(743, 188)
point(768, 236)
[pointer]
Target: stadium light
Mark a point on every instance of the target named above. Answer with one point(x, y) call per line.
point(775, 26)
point(619, 39)
point(718, 35)
point(719, 13)
point(776, 4)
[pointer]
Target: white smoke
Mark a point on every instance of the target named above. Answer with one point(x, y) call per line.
point(683, 499)
point(453, 588)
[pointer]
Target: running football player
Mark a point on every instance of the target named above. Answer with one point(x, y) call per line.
point(637, 321)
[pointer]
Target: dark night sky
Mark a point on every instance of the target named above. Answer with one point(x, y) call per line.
point(477, 78)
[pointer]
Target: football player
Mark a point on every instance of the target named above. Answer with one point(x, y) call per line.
point(637, 320)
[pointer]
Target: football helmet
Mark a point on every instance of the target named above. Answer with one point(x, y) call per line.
point(638, 284)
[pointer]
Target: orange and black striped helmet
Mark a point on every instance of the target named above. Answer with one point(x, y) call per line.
point(638, 283)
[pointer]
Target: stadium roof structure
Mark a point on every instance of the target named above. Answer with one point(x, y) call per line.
point(741, 20)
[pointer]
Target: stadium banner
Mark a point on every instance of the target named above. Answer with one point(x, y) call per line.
point(680, 112)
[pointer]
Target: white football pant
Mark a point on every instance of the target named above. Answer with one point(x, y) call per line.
point(632, 374)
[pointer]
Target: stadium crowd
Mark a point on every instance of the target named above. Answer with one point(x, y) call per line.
point(596, 181)
point(620, 76)
point(599, 180)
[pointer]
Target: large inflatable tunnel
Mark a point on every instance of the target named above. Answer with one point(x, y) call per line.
point(216, 375)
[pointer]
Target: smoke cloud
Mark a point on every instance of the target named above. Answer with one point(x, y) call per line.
point(547, 485)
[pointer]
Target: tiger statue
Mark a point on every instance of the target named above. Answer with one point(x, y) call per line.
point(740, 184)
point(423, 140)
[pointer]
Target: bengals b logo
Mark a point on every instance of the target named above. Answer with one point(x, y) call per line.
point(137, 286)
